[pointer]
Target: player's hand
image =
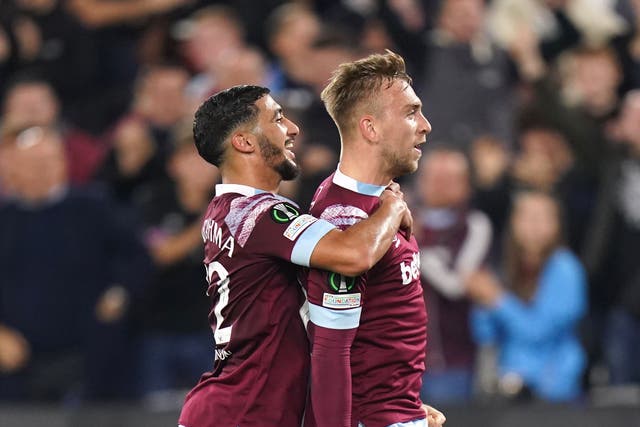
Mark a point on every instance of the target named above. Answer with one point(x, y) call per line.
point(406, 224)
point(395, 198)
point(483, 287)
point(394, 187)
point(14, 350)
point(435, 418)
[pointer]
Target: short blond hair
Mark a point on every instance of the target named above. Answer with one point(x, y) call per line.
point(356, 84)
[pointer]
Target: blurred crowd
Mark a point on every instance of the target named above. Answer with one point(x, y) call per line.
point(526, 204)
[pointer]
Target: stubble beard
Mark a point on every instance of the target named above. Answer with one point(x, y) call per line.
point(287, 169)
point(400, 165)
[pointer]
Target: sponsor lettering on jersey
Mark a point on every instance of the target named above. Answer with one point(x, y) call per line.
point(212, 232)
point(341, 300)
point(298, 226)
point(410, 271)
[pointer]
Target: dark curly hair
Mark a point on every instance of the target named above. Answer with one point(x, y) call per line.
point(220, 115)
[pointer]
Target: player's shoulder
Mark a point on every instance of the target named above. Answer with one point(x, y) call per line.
point(241, 207)
point(341, 212)
point(245, 212)
point(339, 206)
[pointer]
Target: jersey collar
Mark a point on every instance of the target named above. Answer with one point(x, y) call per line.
point(349, 183)
point(245, 190)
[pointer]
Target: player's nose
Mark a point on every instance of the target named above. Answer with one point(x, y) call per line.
point(424, 125)
point(292, 128)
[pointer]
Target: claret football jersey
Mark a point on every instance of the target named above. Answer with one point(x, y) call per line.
point(260, 373)
point(386, 304)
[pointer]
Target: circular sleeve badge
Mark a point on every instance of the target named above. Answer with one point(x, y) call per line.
point(284, 212)
point(340, 283)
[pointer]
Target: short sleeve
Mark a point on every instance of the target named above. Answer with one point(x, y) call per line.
point(335, 301)
point(279, 230)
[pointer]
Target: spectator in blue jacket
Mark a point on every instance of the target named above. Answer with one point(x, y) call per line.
point(531, 321)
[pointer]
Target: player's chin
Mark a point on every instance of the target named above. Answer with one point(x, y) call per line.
point(405, 168)
point(289, 170)
point(412, 165)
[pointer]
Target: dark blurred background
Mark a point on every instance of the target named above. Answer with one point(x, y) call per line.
point(527, 201)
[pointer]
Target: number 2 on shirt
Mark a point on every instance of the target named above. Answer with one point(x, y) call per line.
point(221, 335)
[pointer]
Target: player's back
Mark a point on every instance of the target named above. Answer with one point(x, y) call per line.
point(387, 355)
point(260, 371)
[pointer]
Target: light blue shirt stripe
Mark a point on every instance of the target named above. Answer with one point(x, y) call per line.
point(349, 183)
point(334, 319)
point(369, 189)
point(302, 250)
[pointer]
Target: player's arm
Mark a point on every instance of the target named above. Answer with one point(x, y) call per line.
point(358, 248)
point(335, 315)
point(335, 305)
point(331, 376)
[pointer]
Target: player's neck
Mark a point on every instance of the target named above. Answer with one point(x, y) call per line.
point(269, 182)
point(366, 169)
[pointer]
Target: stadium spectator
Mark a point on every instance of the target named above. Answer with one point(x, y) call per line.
point(133, 162)
point(613, 241)
point(532, 319)
point(627, 45)
point(454, 242)
point(116, 29)
point(63, 52)
point(461, 71)
point(214, 35)
point(69, 265)
point(543, 161)
point(32, 101)
point(141, 140)
point(291, 30)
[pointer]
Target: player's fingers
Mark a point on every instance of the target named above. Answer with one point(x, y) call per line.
point(435, 415)
point(407, 225)
point(393, 186)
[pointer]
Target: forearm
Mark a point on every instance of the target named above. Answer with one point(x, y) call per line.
point(373, 236)
point(357, 249)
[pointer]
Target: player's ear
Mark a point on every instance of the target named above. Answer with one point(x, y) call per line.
point(243, 142)
point(368, 128)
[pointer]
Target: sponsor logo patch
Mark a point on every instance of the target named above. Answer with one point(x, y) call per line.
point(284, 212)
point(298, 226)
point(340, 283)
point(341, 301)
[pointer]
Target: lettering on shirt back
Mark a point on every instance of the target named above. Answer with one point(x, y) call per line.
point(212, 232)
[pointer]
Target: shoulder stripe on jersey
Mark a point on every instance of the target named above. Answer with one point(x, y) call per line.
point(245, 211)
point(334, 319)
point(349, 183)
point(307, 241)
point(343, 215)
